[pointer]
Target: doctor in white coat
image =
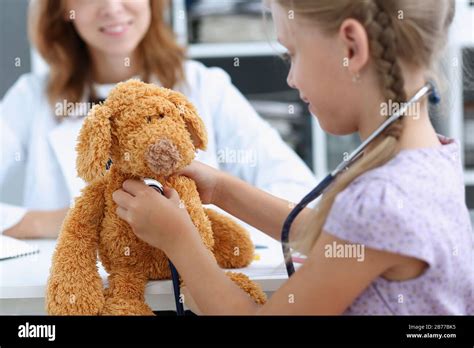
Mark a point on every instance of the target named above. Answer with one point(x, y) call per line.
point(33, 133)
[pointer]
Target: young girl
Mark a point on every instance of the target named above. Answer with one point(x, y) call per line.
point(403, 201)
point(89, 47)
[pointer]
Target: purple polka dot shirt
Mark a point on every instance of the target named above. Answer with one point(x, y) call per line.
point(414, 205)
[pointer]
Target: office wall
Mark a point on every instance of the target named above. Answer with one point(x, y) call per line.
point(14, 47)
point(14, 61)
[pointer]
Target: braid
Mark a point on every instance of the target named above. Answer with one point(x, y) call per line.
point(383, 46)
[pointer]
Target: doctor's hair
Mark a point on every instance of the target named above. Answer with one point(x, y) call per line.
point(70, 66)
point(416, 40)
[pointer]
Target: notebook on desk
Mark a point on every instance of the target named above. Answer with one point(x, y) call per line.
point(11, 247)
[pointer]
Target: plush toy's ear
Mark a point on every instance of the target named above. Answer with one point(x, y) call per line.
point(191, 118)
point(94, 142)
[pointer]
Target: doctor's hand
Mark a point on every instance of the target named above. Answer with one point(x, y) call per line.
point(207, 180)
point(38, 224)
point(160, 221)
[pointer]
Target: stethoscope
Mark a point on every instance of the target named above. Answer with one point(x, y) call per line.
point(433, 97)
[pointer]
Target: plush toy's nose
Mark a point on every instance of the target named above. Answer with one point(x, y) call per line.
point(162, 157)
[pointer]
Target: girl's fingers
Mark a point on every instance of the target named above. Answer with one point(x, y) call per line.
point(189, 170)
point(122, 198)
point(185, 170)
point(122, 213)
point(171, 194)
point(133, 187)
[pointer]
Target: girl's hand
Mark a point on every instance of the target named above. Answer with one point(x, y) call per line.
point(207, 180)
point(161, 221)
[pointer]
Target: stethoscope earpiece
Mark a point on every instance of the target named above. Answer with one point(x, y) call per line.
point(433, 97)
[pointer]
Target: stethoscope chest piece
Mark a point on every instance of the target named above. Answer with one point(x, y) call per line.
point(154, 184)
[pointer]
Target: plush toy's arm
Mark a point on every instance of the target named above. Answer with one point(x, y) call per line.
point(74, 286)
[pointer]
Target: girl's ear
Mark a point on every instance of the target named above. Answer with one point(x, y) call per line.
point(191, 118)
point(355, 40)
point(94, 143)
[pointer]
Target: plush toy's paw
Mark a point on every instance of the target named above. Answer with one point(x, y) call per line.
point(120, 306)
point(253, 289)
point(233, 247)
point(67, 297)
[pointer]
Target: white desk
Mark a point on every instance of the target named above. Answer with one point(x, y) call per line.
point(23, 279)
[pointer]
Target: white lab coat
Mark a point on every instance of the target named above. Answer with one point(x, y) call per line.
point(30, 135)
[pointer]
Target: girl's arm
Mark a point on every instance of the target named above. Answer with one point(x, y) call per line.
point(206, 284)
point(259, 209)
point(322, 285)
point(252, 205)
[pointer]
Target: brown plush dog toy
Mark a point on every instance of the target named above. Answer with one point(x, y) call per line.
point(147, 132)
